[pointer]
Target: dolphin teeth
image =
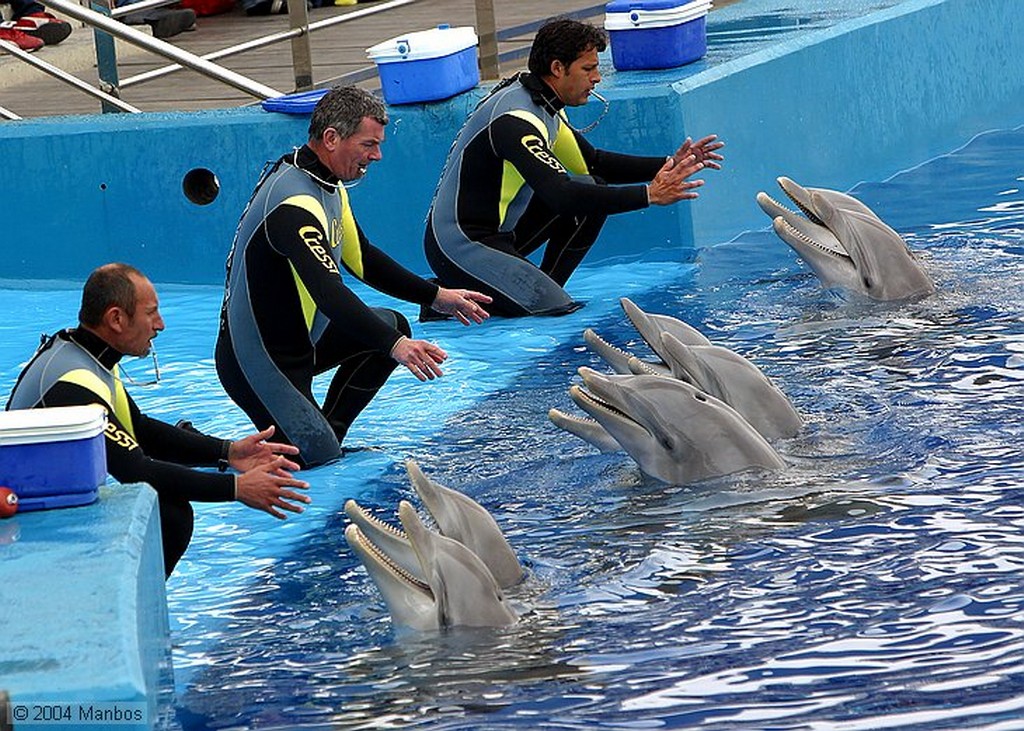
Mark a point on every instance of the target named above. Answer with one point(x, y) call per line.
point(380, 524)
point(605, 343)
point(386, 560)
point(811, 242)
point(604, 405)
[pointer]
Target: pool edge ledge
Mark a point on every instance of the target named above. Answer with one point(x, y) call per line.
point(84, 600)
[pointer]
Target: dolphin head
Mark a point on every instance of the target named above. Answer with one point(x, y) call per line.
point(463, 519)
point(451, 586)
point(408, 597)
point(464, 590)
point(846, 244)
point(651, 327)
point(728, 376)
point(588, 430)
point(674, 431)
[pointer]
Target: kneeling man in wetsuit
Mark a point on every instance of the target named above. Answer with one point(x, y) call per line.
point(288, 315)
point(120, 316)
point(519, 175)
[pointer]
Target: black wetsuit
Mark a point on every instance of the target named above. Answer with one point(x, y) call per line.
point(75, 368)
point(288, 316)
point(519, 176)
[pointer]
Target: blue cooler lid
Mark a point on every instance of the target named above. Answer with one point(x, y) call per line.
point(649, 14)
point(301, 102)
point(624, 6)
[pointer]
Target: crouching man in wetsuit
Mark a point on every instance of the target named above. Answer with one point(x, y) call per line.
point(519, 175)
point(120, 316)
point(287, 313)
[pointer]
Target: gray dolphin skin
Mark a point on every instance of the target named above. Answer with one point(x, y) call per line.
point(586, 429)
point(651, 328)
point(846, 244)
point(463, 519)
point(458, 517)
point(456, 588)
point(673, 430)
point(728, 376)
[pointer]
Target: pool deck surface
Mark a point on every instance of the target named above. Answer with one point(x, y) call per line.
point(338, 50)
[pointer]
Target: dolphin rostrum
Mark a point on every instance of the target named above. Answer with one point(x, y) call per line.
point(846, 244)
point(651, 327)
point(458, 517)
point(456, 588)
point(672, 429)
point(728, 376)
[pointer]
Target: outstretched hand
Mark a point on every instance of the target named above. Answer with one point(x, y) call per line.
point(670, 185)
point(462, 303)
point(254, 450)
point(420, 357)
point(703, 151)
point(266, 488)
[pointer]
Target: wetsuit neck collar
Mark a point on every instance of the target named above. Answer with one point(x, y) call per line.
point(107, 355)
point(542, 94)
point(306, 160)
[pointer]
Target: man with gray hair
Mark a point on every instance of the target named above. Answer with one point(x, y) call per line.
point(288, 315)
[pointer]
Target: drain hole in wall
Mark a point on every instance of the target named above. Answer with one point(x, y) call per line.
point(200, 186)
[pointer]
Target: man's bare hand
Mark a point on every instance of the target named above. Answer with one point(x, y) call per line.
point(670, 185)
point(420, 357)
point(463, 304)
point(266, 488)
point(704, 150)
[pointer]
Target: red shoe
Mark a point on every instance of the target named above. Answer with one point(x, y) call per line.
point(22, 40)
point(48, 28)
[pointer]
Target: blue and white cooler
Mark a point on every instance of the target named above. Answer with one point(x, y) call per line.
point(55, 457)
point(428, 65)
point(656, 34)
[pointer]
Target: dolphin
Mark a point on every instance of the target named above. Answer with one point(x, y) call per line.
point(463, 519)
point(651, 328)
point(728, 376)
point(846, 244)
point(588, 430)
point(457, 589)
point(458, 517)
point(672, 429)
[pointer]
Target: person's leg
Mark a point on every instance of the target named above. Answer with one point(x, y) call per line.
point(176, 524)
point(568, 238)
point(492, 266)
point(360, 372)
point(270, 397)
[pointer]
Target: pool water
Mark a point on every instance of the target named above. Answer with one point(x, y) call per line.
point(874, 583)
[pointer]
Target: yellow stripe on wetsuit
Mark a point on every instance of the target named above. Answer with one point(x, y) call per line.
point(117, 401)
point(351, 253)
point(565, 149)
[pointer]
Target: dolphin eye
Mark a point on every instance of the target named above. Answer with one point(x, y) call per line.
point(867, 282)
point(700, 396)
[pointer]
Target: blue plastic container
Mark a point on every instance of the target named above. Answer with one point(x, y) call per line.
point(428, 65)
point(656, 34)
point(53, 458)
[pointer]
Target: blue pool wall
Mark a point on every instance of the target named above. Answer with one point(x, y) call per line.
point(858, 101)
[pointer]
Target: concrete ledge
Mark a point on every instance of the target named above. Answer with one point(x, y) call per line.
point(82, 598)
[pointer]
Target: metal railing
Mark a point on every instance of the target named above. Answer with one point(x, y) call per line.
point(103, 19)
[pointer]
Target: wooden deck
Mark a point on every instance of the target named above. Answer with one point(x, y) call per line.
point(336, 51)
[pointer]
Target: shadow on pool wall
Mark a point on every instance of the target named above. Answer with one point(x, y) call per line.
point(861, 100)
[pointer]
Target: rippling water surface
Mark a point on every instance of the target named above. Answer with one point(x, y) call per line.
point(874, 583)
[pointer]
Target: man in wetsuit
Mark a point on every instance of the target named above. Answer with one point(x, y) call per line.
point(120, 316)
point(287, 313)
point(519, 175)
